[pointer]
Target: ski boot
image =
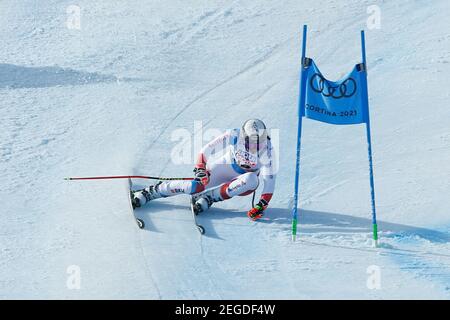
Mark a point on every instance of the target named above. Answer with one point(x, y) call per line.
point(141, 197)
point(203, 201)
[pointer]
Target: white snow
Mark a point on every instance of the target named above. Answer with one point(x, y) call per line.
point(106, 99)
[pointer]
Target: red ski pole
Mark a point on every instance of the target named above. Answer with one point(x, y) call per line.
point(125, 177)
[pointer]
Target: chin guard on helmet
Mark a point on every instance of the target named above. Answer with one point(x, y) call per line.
point(254, 133)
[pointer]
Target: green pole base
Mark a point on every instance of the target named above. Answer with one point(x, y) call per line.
point(294, 229)
point(375, 235)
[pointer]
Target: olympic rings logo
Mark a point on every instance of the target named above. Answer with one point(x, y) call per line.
point(345, 90)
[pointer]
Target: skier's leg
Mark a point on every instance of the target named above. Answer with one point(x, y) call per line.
point(165, 189)
point(219, 171)
point(242, 185)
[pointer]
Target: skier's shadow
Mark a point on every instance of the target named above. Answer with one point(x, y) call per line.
point(309, 222)
point(205, 219)
point(217, 216)
point(145, 213)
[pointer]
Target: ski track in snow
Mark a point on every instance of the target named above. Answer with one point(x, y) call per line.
point(99, 101)
point(205, 93)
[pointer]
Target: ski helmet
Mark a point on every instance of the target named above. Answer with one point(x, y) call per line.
point(254, 134)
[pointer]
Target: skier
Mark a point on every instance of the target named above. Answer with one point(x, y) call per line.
point(230, 165)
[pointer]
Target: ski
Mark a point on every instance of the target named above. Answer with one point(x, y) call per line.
point(140, 223)
point(200, 228)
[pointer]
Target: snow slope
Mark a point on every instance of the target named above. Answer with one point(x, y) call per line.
point(107, 99)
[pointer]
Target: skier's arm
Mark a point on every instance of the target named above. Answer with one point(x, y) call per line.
point(268, 176)
point(269, 187)
point(211, 148)
point(258, 210)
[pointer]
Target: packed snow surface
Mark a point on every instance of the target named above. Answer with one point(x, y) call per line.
point(112, 98)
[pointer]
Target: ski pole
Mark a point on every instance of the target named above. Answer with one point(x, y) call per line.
point(125, 177)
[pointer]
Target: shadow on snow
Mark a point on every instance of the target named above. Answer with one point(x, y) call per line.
point(18, 77)
point(310, 222)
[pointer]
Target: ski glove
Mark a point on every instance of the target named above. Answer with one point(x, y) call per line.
point(202, 175)
point(257, 211)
